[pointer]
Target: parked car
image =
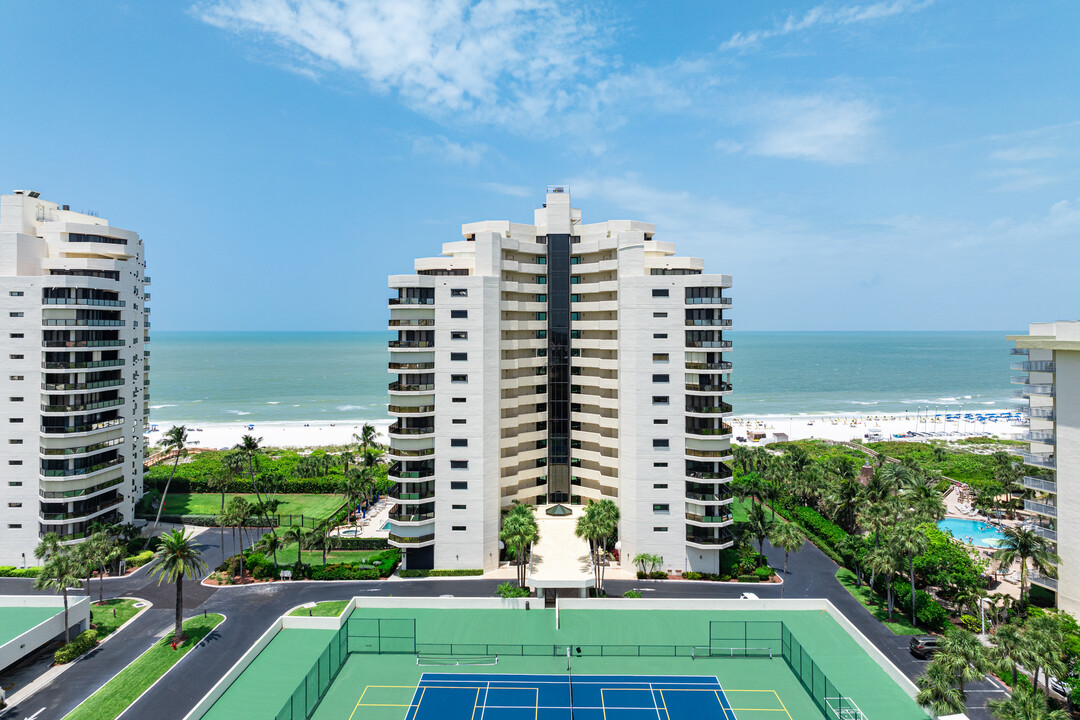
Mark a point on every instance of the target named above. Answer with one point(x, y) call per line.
point(924, 646)
point(749, 596)
point(1058, 687)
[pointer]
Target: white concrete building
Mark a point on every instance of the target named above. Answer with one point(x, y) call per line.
point(1050, 357)
point(559, 362)
point(74, 368)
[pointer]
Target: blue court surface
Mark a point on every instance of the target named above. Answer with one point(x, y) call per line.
point(456, 696)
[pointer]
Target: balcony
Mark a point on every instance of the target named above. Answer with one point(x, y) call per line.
point(708, 366)
point(397, 429)
point(62, 387)
point(82, 408)
point(716, 344)
point(411, 301)
point(1045, 532)
point(709, 519)
point(82, 322)
point(708, 409)
point(83, 301)
point(1019, 351)
point(708, 301)
point(708, 497)
point(86, 449)
point(1046, 582)
point(85, 428)
point(81, 343)
point(1041, 413)
point(714, 322)
point(1040, 484)
point(54, 495)
point(411, 366)
point(82, 513)
point(396, 472)
point(1040, 508)
point(1033, 366)
point(411, 409)
point(722, 539)
point(401, 517)
point(1045, 437)
point(421, 452)
point(694, 452)
point(716, 476)
point(721, 388)
point(1031, 388)
point(411, 344)
point(1044, 460)
point(82, 365)
point(398, 493)
point(78, 472)
point(411, 542)
point(419, 322)
point(723, 431)
point(402, 387)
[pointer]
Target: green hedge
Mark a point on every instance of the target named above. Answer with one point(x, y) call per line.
point(343, 571)
point(200, 520)
point(928, 612)
point(316, 486)
point(749, 578)
point(438, 573)
point(139, 560)
point(82, 643)
point(9, 571)
point(371, 543)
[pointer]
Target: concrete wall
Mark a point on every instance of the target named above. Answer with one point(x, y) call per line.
point(35, 637)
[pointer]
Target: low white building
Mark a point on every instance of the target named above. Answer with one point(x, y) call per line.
point(559, 362)
point(1049, 355)
point(74, 369)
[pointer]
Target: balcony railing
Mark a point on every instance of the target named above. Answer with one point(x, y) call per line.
point(1045, 437)
point(396, 429)
point(721, 408)
point(83, 386)
point(396, 492)
point(708, 301)
point(81, 365)
point(408, 409)
point(1034, 366)
point(82, 408)
point(707, 497)
point(82, 322)
point(721, 344)
point(412, 366)
point(720, 431)
point(1019, 351)
point(81, 343)
point(714, 322)
point(1040, 579)
point(1045, 460)
point(83, 301)
point(402, 387)
point(721, 388)
point(421, 452)
point(66, 494)
point(82, 513)
point(409, 474)
point(1034, 389)
point(87, 427)
point(708, 366)
point(1040, 508)
point(1042, 413)
point(709, 518)
point(1041, 484)
point(406, 517)
point(81, 450)
point(412, 343)
point(411, 301)
point(707, 453)
point(720, 539)
point(75, 472)
point(1045, 532)
point(421, 322)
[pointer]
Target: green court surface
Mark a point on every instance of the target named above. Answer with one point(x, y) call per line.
point(14, 621)
point(266, 684)
point(379, 675)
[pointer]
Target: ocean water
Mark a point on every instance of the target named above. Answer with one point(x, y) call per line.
point(293, 376)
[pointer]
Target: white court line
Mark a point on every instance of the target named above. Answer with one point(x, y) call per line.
point(652, 694)
point(487, 688)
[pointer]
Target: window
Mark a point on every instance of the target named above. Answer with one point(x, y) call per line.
point(659, 336)
point(459, 485)
point(16, 293)
point(459, 356)
point(660, 465)
point(541, 279)
point(661, 378)
point(659, 293)
point(16, 357)
point(459, 335)
point(541, 316)
point(575, 279)
point(459, 292)
point(15, 420)
point(457, 399)
point(541, 298)
point(541, 259)
point(15, 314)
point(15, 377)
point(459, 464)
point(15, 483)
point(659, 529)
point(541, 334)
point(458, 421)
point(575, 316)
point(660, 400)
point(459, 442)
point(575, 259)
point(459, 378)
point(457, 507)
point(16, 336)
point(457, 528)
point(659, 486)
point(14, 441)
point(659, 314)
point(660, 357)
point(661, 508)
point(14, 504)
point(14, 526)
point(15, 399)
point(459, 313)
point(14, 462)
point(659, 421)
point(660, 443)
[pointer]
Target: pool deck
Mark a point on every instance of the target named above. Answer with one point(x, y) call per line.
point(1006, 586)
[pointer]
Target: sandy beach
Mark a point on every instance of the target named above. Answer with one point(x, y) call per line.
point(794, 427)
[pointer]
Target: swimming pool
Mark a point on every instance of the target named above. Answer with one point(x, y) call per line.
point(972, 532)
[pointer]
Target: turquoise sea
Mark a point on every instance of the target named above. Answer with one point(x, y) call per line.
point(293, 376)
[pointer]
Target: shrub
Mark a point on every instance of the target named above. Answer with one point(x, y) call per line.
point(438, 573)
point(971, 623)
point(642, 575)
point(343, 571)
point(349, 543)
point(8, 571)
point(748, 578)
point(633, 594)
point(139, 560)
point(690, 575)
point(510, 590)
point(82, 643)
point(764, 573)
point(658, 575)
point(200, 520)
point(928, 612)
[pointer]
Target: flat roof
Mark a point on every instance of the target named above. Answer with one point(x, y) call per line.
point(14, 621)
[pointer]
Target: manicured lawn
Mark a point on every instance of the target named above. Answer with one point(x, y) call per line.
point(316, 506)
point(877, 606)
point(331, 608)
point(132, 681)
point(102, 616)
point(287, 556)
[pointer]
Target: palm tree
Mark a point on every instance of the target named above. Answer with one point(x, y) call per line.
point(759, 525)
point(178, 556)
point(1025, 704)
point(218, 481)
point(250, 450)
point(939, 453)
point(49, 546)
point(845, 497)
point(877, 518)
point(910, 540)
point(353, 487)
point(321, 539)
point(1023, 545)
point(607, 514)
point(1045, 637)
point(103, 552)
point(1011, 648)
point(964, 656)
point(175, 440)
point(269, 545)
point(883, 561)
point(60, 572)
point(787, 537)
point(937, 691)
point(519, 531)
point(295, 534)
point(368, 438)
point(237, 512)
point(922, 496)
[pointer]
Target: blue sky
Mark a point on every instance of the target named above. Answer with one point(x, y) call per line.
point(893, 165)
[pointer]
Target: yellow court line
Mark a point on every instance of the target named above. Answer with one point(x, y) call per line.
point(759, 710)
point(721, 703)
point(664, 700)
point(536, 710)
point(782, 704)
point(476, 701)
point(603, 706)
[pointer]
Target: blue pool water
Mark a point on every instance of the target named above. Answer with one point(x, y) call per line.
point(972, 532)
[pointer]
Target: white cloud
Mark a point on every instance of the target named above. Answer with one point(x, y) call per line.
point(448, 151)
point(1025, 154)
point(823, 15)
point(500, 61)
point(815, 127)
point(511, 190)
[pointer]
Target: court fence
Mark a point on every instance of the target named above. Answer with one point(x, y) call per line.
point(824, 693)
point(303, 701)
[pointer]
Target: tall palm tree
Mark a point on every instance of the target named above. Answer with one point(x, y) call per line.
point(218, 481)
point(367, 438)
point(353, 487)
point(295, 534)
point(922, 497)
point(519, 531)
point(1011, 649)
point(1024, 545)
point(910, 540)
point(269, 545)
point(1045, 637)
point(759, 525)
point(177, 557)
point(607, 514)
point(104, 551)
point(883, 561)
point(250, 450)
point(876, 518)
point(321, 539)
point(787, 537)
point(60, 572)
point(175, 440)
point(965, 657)
point(937, 689)
point(1025, 704)
point(237, 512)
point(49, 546)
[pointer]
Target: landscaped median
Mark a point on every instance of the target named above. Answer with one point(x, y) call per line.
point(330, 608)
point(131, 682)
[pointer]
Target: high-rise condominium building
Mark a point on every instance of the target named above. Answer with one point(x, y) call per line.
point(558, 363)
point(1050, 357)
point(74, 373)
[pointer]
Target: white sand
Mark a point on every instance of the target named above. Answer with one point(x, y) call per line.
point(797, 427)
